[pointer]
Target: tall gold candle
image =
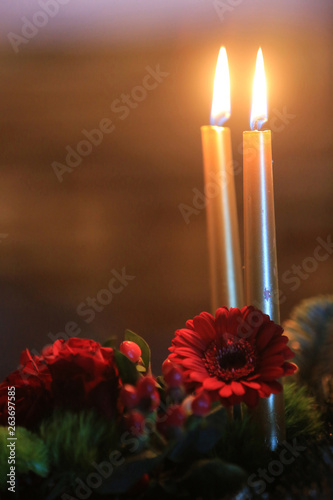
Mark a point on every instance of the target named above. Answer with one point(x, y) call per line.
point(221, 209)
point(261, 274)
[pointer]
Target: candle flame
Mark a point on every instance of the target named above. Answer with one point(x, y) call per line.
point(221, 95)
point(259, 96)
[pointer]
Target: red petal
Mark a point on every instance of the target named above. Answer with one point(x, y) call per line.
point(188, 352)
point(237, 388)
point(276, 360)
point(271, 373)
point(253, 377)
point(273, 348)
point(234, 320)
point(264, 391)
point(246, 330)
point(204, 326)
point(198, 376)
point(254, 320)
point(253, 385)
point(193, 339)
point(221, 321)
point(283, 338)
point(289, 368)
point(226, 391)
point(194, 364)
point(251, 398)
point(189, 324)
point(288, 353)
point(265, 335)
point(275, 386)
point(213, 384)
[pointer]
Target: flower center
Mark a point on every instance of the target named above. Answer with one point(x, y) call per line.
point(234, 360)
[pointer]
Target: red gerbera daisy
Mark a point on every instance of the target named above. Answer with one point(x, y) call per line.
point(236, 356)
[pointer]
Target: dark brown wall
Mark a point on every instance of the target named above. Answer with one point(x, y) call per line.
point(120, 206)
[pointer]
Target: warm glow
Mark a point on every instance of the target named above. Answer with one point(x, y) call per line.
point(221, 95)
point(259, 97)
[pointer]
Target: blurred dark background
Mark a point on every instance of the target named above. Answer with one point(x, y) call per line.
point(60, 241)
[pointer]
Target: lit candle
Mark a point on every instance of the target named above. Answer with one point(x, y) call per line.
point(261, 275)
point(222, 222)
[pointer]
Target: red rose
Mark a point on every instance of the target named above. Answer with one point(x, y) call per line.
point(83, 375)
point(73, 374)
point(33, 399)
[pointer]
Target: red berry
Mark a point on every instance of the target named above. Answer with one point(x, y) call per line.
point(134, 422)
point(129, 396)
point(154, 400)
point(146, 386)
point(176, 416)
point(131, 350)
point(173, 377)
point(201, 404)
point(167, 364)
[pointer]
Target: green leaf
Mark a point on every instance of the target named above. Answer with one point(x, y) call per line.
point(161, 381)
point(126, 475)
point(31, 454)
point(200, 436)
point(194, 443)
point(211, 477)
point(217, 418)
point(145, 350)
point(127, 370)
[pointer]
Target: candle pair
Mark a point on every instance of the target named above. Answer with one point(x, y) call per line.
point(222, 220)
point(260, 261)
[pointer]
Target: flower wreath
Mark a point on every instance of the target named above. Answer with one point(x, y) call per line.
point(91, 420)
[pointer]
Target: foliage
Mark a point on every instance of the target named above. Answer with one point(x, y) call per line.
point(310, 329)
point(31, 454)
point(196, 455)
point(75, 440)
point(145, 349)
point(242, 434)
point(302, 415)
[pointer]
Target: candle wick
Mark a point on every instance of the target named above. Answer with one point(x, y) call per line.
point(258, 122)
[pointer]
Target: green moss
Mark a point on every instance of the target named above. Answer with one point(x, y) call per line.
point(310, 330)
point(302, 415)
point(75, 440)
point(241, 443)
